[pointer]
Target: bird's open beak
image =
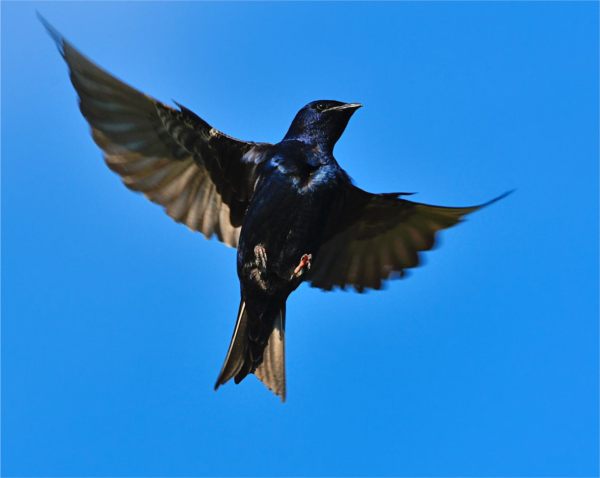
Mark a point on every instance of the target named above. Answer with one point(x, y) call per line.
point(347, 106)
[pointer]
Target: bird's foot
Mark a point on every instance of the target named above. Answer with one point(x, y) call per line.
point(260, 253)
point(305, 263)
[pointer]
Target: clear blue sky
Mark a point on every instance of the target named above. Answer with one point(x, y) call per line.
point(115, 320)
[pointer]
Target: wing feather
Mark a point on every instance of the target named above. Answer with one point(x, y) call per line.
point(377, 237)
point(202, 177)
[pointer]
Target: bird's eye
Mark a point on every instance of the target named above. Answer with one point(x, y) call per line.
point(320, 106)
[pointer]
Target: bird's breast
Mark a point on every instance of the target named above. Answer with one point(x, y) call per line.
point(284, 222)
point(301, 172)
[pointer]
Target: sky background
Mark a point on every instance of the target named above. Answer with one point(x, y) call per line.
point(115, 320)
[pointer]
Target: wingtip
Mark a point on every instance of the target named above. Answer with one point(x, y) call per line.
point(53, 32)
point(496, 199)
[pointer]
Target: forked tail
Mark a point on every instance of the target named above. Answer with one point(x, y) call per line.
point(242, 357)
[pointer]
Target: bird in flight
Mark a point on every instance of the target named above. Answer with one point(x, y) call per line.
point(291, 211)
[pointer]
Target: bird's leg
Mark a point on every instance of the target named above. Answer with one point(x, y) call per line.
point(258, 271)
point(260, 254)
point(304, 263)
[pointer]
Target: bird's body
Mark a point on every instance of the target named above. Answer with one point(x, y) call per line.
point(296, 189)
point(289, 208)
point(293, 195)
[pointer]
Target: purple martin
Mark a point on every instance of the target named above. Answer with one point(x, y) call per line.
point(291, 211)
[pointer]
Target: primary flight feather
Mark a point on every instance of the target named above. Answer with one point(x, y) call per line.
point(290, 210)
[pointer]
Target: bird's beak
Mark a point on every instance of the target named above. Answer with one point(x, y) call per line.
point(347, 106)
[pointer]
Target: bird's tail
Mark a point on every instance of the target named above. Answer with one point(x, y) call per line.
point(242, 354)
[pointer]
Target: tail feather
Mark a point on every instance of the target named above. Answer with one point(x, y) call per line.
point(236, 355)
point(271, 371)
point(238, 362)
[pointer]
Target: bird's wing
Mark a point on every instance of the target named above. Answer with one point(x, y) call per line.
point(202, 177)
point(376, 237)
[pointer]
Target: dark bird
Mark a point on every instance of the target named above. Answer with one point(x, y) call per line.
point(289, 208)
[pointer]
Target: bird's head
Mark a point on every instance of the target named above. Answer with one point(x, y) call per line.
point(322, 122)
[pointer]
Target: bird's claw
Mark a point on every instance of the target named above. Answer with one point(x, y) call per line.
point(260, 254)
point(305, 263)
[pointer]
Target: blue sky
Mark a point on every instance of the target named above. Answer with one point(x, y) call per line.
point(115, 320)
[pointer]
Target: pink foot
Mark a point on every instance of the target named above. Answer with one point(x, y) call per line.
point(304, 263)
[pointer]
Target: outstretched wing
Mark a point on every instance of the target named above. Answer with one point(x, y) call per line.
point(202, 177)
point(377, 237)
